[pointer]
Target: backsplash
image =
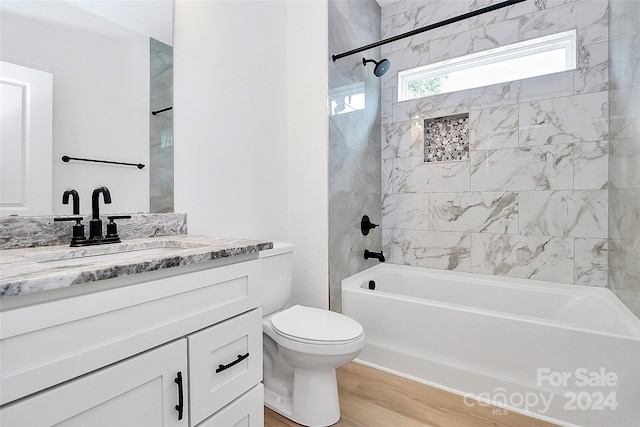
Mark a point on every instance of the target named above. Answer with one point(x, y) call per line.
point(531, 199)
point(24, 232)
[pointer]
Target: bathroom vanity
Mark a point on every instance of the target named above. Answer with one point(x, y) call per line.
point(157, 331)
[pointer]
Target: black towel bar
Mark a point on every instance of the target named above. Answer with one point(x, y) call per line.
point(67, 158)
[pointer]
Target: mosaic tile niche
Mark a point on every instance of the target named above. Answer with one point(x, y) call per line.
point(446, 139)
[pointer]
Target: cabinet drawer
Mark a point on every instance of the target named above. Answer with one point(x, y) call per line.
point(225, 360)
point(246, 411)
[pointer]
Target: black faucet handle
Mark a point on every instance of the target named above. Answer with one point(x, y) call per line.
point(112, 227)
point(78, 228)
point(68, 218)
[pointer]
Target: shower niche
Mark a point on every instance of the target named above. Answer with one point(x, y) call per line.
point(446, 138)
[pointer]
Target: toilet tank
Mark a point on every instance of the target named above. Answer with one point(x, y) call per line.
point(277, 271)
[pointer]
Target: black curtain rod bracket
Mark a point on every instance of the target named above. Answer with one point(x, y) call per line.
point(67, 158)
point(428, 27)
point(161, 111)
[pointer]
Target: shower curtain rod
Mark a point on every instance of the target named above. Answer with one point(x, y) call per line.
point(428, 27)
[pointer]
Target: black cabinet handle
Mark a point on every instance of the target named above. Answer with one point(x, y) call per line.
point(235, 362)
point(180, 405)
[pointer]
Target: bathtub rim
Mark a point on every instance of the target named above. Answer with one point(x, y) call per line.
point(354, 282)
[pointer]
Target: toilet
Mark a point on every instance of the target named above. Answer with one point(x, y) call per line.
point(303, 346)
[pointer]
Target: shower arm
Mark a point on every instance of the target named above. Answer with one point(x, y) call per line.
point(428, 27)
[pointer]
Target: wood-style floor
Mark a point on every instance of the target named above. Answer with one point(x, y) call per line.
point(372, 398)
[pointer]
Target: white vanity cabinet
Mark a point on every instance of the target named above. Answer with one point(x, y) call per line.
point(112, 357)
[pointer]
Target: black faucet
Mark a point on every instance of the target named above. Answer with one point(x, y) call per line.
point(95, 225)
point(76, 200)
point(377, 255)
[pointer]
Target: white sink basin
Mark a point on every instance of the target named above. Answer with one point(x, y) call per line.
point(112, 257)
point(113, 253)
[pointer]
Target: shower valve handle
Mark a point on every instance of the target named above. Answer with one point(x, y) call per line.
point(366, 225)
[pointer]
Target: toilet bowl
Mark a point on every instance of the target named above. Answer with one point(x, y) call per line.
point(303, 346)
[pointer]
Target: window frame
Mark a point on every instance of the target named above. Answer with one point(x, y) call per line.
point(566, 40)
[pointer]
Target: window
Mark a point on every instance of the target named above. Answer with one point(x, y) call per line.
point(531, 58)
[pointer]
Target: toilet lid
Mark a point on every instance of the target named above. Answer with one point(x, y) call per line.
point(314, 324)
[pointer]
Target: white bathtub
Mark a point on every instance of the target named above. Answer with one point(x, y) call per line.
point(563, 353)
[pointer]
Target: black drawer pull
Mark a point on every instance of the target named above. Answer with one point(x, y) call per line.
point(180, 405)
point(235, 362)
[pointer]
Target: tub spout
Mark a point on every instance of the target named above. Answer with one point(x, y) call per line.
point(377, 255)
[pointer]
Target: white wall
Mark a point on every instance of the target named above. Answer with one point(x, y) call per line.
point(250, 127)
point(230, 118)
point(100, 97)
point(307, 73)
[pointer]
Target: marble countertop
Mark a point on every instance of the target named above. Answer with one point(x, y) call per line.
point(29, 270)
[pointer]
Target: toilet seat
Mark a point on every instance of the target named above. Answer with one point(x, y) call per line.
point(316, 326)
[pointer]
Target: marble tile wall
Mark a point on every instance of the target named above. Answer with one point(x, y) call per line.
point(532, 199)
point(354, 144)
point(161, 127)
point(624, 193)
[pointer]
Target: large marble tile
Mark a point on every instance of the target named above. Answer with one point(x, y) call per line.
point(405, 211)
point(576, 213)
point(354, 170)
point(347, 208)
point(387, 176)
point(563, 120)
point(339, 268)
point(590, 17)
point(531, 89)
point(520, 169)
point(624, 17)
point(528, 257)
point(388, 247)
point(400, 7)
point(413, 175)
point(592, 21)
point(624, 63)
point(591, 165)
point(432, 107)
point(387, 98)
point(591, 262)
point(624, 214)
point(503, 14)
point(624, 160)
point(592, 72)
point(433, 249)
point(476, 40)
point(403, 139)
point(625, 112)
point(474, 212)
point(624, 268)
point(422, 15)
point(493, 128)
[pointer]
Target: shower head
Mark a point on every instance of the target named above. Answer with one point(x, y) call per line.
point(381, 66)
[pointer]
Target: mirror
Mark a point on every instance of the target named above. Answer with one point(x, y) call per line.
point(111, 65)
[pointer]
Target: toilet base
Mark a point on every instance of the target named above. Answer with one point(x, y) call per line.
point(315, 394)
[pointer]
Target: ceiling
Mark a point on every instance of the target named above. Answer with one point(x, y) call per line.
point(153, 18)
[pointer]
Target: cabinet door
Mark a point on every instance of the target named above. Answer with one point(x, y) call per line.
point(225, 360)
point(140, 391)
